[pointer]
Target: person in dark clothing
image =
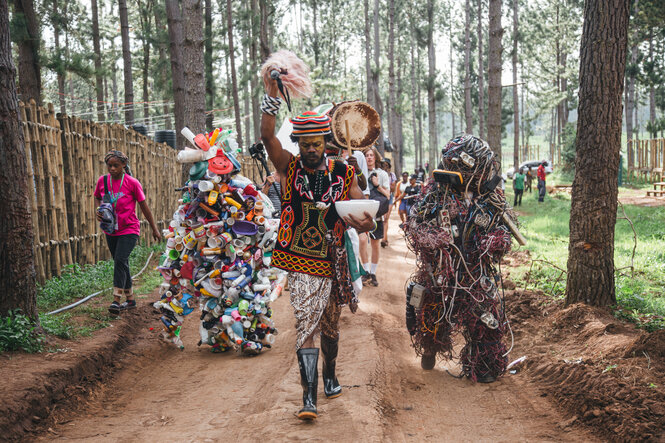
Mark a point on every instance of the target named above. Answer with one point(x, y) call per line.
point(410, 193)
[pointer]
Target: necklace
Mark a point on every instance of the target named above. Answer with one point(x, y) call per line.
point(318, 184)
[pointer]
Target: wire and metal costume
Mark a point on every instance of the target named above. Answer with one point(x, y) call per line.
point(459, 232)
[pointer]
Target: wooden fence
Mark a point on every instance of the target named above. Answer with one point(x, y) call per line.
point(646, 159)
point(65, 158)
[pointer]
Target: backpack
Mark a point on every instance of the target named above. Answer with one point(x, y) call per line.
point(109, 223)
point(384, 204)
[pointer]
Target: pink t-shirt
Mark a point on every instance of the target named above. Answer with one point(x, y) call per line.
point(125, 208)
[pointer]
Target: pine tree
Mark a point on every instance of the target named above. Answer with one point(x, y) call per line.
point(595, 190)
point(17, 280)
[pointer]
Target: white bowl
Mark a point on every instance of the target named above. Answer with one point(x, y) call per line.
point(357, 208)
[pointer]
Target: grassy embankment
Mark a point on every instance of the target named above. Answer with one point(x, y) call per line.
point(640, 293)
point(77, 282)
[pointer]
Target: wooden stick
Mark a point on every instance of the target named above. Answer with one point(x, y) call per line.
point(348, 137)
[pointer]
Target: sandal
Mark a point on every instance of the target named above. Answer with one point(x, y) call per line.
point(115, 308)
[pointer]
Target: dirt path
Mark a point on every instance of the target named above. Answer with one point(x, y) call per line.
point(162, 394)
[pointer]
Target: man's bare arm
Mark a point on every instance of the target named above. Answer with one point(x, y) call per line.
point(278, 155)
point(354, 191)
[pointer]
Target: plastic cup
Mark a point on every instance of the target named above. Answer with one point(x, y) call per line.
point(205, 185)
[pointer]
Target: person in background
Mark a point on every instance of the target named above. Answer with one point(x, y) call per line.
point(518, 187)
point(123, 192)
point(528, 182)
point(410, 193)
point(383, 186)
point(541, 182)
point(420, 174)
point(393, 183)
point(273, 189)
point(399, 194)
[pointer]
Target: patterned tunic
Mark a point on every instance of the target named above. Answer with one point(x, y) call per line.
point(301, 242)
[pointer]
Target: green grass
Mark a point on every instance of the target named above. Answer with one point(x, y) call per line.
point(77, 282)
point(640, 295)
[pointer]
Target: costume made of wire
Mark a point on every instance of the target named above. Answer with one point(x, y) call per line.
point(458, 237)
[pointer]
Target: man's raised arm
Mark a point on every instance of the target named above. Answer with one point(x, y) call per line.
point(278, 155)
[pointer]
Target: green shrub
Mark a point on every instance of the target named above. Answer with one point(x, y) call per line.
point(17, 332)
point(57, 325)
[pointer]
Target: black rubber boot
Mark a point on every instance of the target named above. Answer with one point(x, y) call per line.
point(427, 361)
point(309, 379)
point(331, 386)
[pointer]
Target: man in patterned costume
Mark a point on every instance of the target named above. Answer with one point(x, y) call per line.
point(310, 186)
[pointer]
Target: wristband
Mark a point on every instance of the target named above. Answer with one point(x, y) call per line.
point(375, 226)
point(270, 105)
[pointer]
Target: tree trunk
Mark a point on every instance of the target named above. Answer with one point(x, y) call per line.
point(245, 79)
point(595, 188)
point(494, 79)
point(234, 80)
point(398, 155)
point(481, 75)
point(431, 81)
point(452, 89)
point(419, 107)
point(516, 109)
point(315, 33)
point(192, 59)
point(630, 96)
point(263, 30)
point(377, 102)
point(209, 80)
point(391, 75)
point(59, 63)
point(114, 89)
point(161, 50)
point(146, 82)
point(98, 62)
point(174, 19)
point(146, 37)
point(368, 54)
point(468, 113)
point(636, 111)
point(564, 89)
point(126, 62)
point(29, 69)
point(255, 63)
point(652, 90)
point(414, 107)
point(17, 275)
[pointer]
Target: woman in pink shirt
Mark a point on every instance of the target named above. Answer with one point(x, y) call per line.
point(124, 191)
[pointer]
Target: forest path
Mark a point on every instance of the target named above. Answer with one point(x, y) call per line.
point(162, 394)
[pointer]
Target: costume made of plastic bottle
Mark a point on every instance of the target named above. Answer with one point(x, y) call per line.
point(459, 229)
point(218, 252)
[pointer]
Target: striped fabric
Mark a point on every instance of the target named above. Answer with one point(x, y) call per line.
point(311, 123)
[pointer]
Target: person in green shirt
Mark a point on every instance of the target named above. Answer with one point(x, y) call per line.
point(518, 186)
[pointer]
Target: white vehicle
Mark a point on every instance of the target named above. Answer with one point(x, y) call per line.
point(533, 165)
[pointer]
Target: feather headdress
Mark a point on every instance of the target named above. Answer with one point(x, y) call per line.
point(294, 73)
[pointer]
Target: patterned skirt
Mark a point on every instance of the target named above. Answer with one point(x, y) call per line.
point(310, 296)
